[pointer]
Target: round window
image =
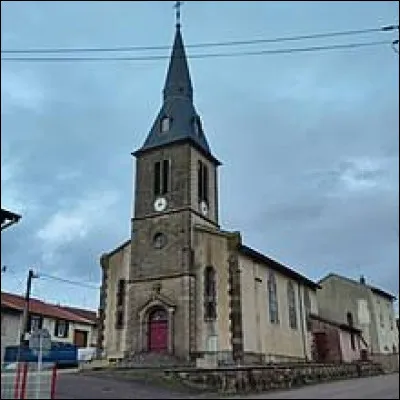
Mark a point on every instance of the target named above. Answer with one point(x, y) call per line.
point(159, 240)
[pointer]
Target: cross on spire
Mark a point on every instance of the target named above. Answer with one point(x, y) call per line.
point(177, 6)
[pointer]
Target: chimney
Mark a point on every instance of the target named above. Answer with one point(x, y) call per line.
point(362, 280)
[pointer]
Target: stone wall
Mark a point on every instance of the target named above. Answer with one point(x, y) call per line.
point(389, 362)
point(257, 379)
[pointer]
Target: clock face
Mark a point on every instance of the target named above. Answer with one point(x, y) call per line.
point(160, 204)
point(204, 208)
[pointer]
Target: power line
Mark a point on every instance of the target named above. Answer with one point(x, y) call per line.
point(83, 284)
point(206, 55)
point(385, 28)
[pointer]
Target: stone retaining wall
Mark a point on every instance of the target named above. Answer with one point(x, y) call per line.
point(257, 379)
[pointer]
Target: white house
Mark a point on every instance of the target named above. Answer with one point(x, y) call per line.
point(65, 324)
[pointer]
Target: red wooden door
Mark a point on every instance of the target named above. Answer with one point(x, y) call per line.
point(158, 331)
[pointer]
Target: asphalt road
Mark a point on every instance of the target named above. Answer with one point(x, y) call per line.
point(78, 386)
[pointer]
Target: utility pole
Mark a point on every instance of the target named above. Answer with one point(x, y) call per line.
point(25, 314)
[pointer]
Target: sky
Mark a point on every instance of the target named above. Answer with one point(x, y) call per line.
point(309, 141)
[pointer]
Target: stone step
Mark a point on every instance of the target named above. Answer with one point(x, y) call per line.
point(151, 360)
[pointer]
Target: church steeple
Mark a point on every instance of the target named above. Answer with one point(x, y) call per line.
point(178, 81)
point(177, 120)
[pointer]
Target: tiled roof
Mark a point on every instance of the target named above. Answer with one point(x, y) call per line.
point(39, 307)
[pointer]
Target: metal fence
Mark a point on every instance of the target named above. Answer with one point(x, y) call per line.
point(25, 381)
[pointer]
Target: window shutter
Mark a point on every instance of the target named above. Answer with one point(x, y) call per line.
point(205, 183)
point(56, 328)
point(157, 180)
point(66, 329)
point(165, 177)
point(200, 180)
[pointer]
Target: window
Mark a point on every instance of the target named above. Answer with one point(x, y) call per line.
point(161, 177)
point(202, 181)
point(119, 320)
point(307, 307)
point(159, 240)
point(121, 292)
point(391, 322)
point(34, 322)
point(210, 294)
point(197, 126)
point(165, 124)
point(273, 300)
point(61, 329)
point(350, 322)
point(292, 306)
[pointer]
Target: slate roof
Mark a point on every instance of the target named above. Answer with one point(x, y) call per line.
point(185, 123)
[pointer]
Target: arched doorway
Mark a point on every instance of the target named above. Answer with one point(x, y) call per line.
point(158, 330)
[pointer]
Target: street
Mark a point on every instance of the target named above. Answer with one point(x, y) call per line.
point(83, 386)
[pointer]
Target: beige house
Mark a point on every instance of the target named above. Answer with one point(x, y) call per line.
point(70, 325)
point(181, 288)
point(363, 306)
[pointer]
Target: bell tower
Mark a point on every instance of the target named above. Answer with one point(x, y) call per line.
point(175, 169)
point(176, 187)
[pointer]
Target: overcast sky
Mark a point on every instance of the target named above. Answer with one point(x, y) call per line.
point(309, 141)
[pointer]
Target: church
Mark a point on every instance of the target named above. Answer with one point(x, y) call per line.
point(181, 288)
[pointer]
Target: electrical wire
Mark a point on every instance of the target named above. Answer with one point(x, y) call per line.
point(385, 28)
point(83, 284)
point(206, 55)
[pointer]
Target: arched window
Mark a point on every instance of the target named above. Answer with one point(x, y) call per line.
point(292, 306)
point(210, 294)
point(307, 307)
point(165, 124)
point(350, 322)
point(273, 299)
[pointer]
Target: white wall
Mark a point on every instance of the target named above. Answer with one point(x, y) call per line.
point(260, 335)
point(10, 330)
point(386, 331)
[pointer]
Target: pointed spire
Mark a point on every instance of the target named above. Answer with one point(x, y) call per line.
point(177, 119)
point(178, 81)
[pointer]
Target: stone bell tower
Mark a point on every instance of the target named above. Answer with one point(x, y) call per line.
point(176, 187)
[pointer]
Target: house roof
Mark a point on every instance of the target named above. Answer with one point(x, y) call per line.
point(342, 326)
point(277, 266)
point(87, 314)
point(374, 289)
point(16, 303)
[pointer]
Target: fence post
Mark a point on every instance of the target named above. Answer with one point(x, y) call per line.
point(53, 382)
point(17, 379)
point(24, 379)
